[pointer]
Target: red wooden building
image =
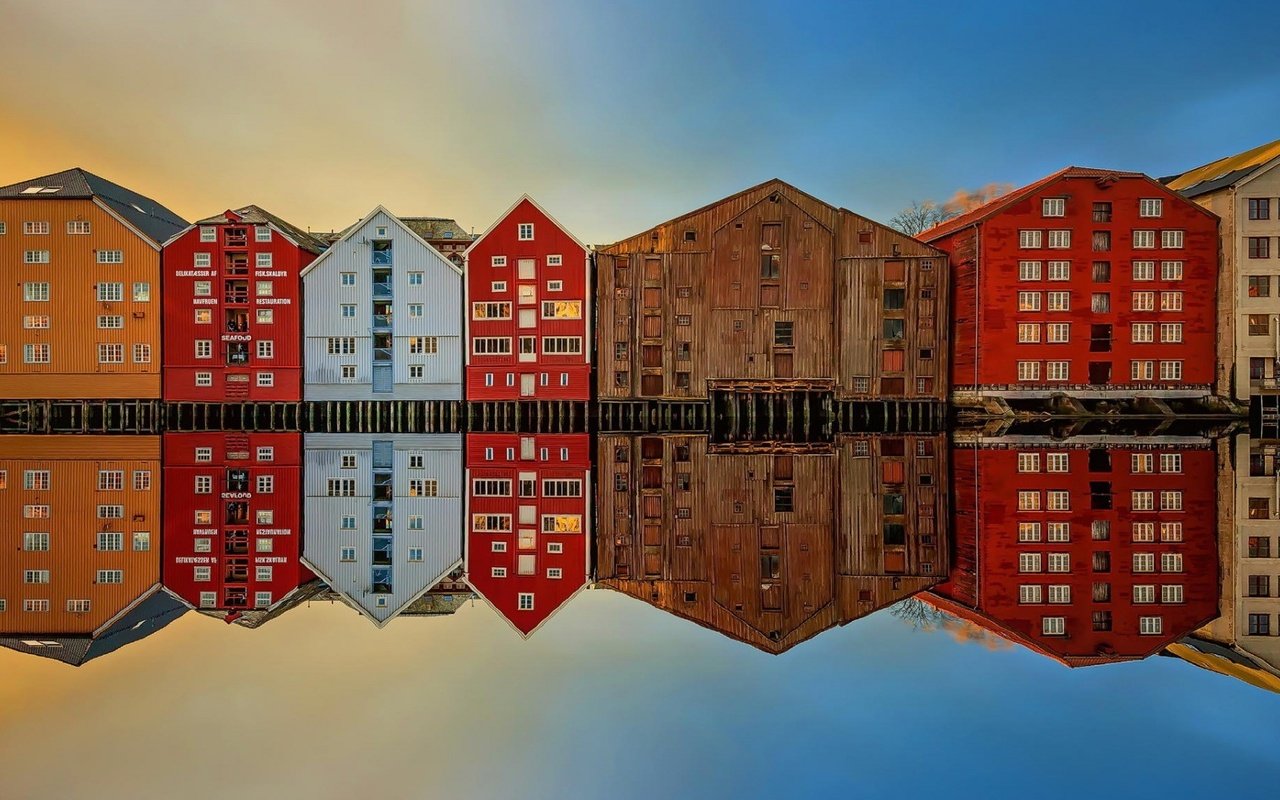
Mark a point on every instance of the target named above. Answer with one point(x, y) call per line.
point(233, 519)
point(233, 308)
point(528, 512)
point(1091, 283)
point(527, 310)
point(1087, 551)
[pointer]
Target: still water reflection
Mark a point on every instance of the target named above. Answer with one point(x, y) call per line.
point(539, 591)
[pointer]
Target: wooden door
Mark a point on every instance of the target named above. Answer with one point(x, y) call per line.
point(782, 367)
point(527, 385)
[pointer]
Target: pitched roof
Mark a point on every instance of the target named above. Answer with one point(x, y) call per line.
point(1224, 172)
point(256, 215)
point(149, 616)
point(998, 204)
point(154, 220)
point(437, 228)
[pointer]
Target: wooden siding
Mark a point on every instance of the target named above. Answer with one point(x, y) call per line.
point(73, 334)
point(690, 302)
point(73, 557)
point(696, 532)
point(440, 294)
point(441, 535)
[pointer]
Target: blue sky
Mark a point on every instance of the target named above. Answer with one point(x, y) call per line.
point(619, 115)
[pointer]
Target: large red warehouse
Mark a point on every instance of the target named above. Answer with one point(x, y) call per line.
point(527, 523)
point(233, 308)
point(1091, 283)
point(233, 519)
point(527, 310)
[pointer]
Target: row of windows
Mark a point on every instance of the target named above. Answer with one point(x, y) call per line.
point(108, 480)
point(266, 348)
point(1060, 500)
point(554, 260)
point(1031, 594)
point(501, 523)
point(262, 454)
point(100, 256)
point(1061, 562)
point(263, 380)
point(551, 487)
point(75, 227)
point(205, 574)
point(260, 599)
point(209, 233)
point(263, 484)
point(109, 576)
point(1099, 302)
point(1057, 207)
point(1060, 332)
point(107, 541)
point(1061, 370)
point(204, 316)
point(1061, 239)
point(263, 544)
point(38, 292)
point(1057, 626)
point(260, 260)
point(1061, 271)
point(551, 345)
point(1099, 530)
point(1138, 462)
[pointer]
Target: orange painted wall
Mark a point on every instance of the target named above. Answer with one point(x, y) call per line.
point(73, 334)
point(73, 558)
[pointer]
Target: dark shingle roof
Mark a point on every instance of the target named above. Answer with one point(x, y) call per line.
point(256, 215)
point(437, 228)
point(152, 219)
point(149, 616)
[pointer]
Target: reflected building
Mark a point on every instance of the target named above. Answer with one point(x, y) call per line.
point(527, 522)
point(1245, 641)
point(1089, 549)
point(383, 515)
point(81, 575)
point(772, 543)
point(233, 527)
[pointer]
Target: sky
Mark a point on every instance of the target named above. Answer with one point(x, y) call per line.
point(613, 698)
point(619, 115)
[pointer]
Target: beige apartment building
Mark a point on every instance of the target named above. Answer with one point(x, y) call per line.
point(1244, 190)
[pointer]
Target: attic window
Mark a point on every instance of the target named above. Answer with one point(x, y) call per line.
point(41, 189)
point(380, 231)
point(448, 234)
point(691, 597)
point(864, 237)
point(691, 235)
point(926, 264)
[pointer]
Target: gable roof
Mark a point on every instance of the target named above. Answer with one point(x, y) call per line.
point(256, 215)
point(998, 204)
point(146, 215)
point(437, 228)
point(513, 207)
point(1224, 172)
point(151, 614)
point(354, 229)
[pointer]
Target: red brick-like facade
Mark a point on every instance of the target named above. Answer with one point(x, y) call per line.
point(1129, 267)
point(1087, 524)
point(527, 310)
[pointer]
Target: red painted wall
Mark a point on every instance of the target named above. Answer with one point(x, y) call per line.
point(497, 455)
point(181, 330)
point(232, 450)
point(987, 577)
point(503, 240)
point(986, 314)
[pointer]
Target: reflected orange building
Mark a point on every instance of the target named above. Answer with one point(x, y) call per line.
point(1089, 550)
point(80, 517)
point(772, 543)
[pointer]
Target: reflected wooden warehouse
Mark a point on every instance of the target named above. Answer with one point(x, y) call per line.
point(771, 290)
point(768, 543)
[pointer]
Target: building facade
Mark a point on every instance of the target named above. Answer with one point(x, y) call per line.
point(233, 527)
point(767, 543)
point(1244, 190)
point(771, 289)
point(528, 310)
point(383, 514)
point(528, 522)
point(80, 518)
point(82, 302)
point(444, 234)
point(1090, 283)
point(382, 317)
point(233, 308)
point(1089, 550)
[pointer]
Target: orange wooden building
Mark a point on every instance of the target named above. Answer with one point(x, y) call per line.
point(769, 543)
point(82, 289)
point(79, 529)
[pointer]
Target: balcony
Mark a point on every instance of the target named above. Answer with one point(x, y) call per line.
point(236, 598)
point(382, 491)
point(237, 354)
point(237, 480)
point(237, 321)
point(237, 513)
point(382, 289)
point(236, 264)
point(382, 254)
point(382, 523)
point(236, 237)
point(236, 293)
point(382, 550)
point(236, 573)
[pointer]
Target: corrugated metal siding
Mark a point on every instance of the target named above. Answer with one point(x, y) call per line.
point(73, 335)
point(73, 558)
point(440, 539)
point(440, 295)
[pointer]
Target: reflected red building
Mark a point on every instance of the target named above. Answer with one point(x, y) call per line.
point(233, 520)
point(528, 519)
point(1089, 550)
